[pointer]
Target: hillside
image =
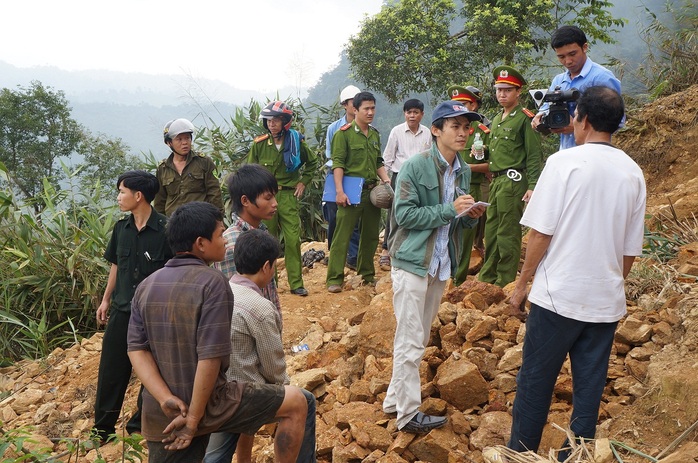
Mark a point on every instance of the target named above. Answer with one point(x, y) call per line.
point(649, 402)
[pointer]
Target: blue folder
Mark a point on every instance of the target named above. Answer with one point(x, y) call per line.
point(352, 188)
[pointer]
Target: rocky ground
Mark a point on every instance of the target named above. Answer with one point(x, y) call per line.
point(469, 369)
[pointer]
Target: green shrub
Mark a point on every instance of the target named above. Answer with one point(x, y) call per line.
point(229, 144)
point(671, 64)
point(52, 270)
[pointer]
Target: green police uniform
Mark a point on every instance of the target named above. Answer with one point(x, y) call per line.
point(360, 156)
point(286, 222)
point(197, 182)
point(515, 162)
point(476, 192)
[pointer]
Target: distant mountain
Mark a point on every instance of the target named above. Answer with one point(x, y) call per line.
point(136, 106)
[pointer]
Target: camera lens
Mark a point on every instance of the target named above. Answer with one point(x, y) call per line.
point(559, 119)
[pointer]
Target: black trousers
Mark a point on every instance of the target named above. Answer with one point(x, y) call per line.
point(113, 378)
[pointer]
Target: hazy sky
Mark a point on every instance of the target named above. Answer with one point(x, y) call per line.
point(250, 44)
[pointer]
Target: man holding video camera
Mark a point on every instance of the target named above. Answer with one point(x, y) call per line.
point(570, 45)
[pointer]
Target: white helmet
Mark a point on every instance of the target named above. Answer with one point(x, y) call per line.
point(348, 93)
point(177, 126)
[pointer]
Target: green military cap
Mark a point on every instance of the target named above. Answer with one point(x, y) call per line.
point(461, 93)
point(507, 77)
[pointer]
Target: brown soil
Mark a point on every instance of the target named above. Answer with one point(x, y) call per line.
point(662, 137)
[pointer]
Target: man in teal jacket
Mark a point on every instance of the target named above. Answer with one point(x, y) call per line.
point(430, 210)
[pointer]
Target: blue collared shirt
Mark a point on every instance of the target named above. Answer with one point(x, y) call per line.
point(592, 74)
point(440, 261)
point(328, 138)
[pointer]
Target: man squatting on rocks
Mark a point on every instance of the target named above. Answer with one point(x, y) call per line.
point(182, 363)
point(258, 350)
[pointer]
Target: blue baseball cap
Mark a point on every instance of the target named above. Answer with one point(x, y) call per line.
point(449, 109)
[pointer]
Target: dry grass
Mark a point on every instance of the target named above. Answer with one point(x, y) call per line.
point(586, 451)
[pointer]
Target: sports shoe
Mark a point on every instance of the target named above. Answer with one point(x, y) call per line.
point(351, 265)
point(384, 262)
point(334, 288)
point(492, 455)
point(300, 291)
point(422, 424)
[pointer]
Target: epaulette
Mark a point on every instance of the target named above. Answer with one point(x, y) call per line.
point(124, 217)
point(528, 112)
point(483, 127)
point(345, 127)
point(201, 155)
point(261, 138)
point(372, 127)
point(162, 163)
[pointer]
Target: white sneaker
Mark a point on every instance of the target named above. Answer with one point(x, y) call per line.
point(492, 455)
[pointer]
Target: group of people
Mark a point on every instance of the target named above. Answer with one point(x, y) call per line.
point(193, 306)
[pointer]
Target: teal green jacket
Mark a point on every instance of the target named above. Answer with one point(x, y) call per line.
point(417, 213)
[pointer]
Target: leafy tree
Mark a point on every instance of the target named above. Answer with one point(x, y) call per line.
point(104, 160)
point(35, 130)
point(416, 46)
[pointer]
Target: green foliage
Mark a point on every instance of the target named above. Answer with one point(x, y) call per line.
point(51, 268)
point(104, 160)
point(35, 130)
point(14, 450)
point(667, 234)
point(408, 47)
point(671, 64)
point(411, 46)
point(229, 144)
point(12, 441)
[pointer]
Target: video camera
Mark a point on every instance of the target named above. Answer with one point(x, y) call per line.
point(558, 115)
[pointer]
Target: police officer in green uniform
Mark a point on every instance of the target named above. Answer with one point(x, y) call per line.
point(471, 98)
point(185, 176)
point(284, 153)
point(515, 163)
point(356, 152)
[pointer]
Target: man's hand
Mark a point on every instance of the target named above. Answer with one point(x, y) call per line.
point(300, 188)
point(173, 406)
point(342, 199)
point(517, 303)
point(476, 212)
point(527, 196)
point(564, 130)
point(535, 122)
point(102, 313)
point(181, 433)
point(462, 203)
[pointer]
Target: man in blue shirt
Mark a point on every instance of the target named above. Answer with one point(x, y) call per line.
point(570, 45)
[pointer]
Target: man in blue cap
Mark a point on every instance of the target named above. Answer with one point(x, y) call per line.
point(430, 210)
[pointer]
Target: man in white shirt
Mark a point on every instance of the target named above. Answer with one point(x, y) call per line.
point(587, 219)
point(406, 139)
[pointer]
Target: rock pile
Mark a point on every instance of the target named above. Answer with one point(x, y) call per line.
point(468, 374)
